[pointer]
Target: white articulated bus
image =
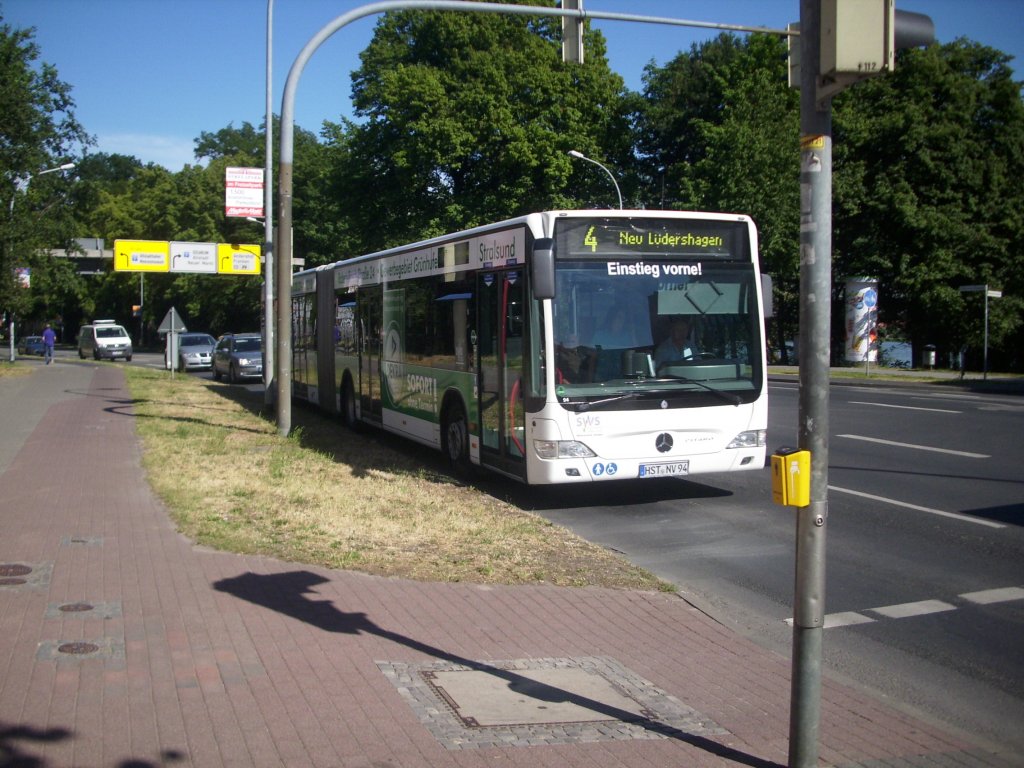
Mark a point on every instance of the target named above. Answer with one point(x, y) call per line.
point(542, 347)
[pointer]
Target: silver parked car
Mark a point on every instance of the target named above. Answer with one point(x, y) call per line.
point(195, 352)
point(238, 356)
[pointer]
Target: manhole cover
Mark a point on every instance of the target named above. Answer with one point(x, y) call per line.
point(532, 701)
point(533, 696)
point(77, 649)
point(9, 569)
point(75, 607)
point(10, 581)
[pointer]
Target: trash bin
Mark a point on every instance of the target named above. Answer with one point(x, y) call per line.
point(928, 356)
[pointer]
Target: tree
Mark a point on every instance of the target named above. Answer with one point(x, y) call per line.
point(719, 132)
point(231, 141)
point(467, 118)
point(38, 131)
point(928, 194)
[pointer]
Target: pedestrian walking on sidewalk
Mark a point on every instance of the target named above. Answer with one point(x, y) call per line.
point(49, 339)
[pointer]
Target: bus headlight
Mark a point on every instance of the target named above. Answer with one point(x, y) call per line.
point(755, 438)
point(562, 449)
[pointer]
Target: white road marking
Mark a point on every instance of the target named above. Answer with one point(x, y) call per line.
point(907, 610)
point(842, 619)
point(965, 454)
point(903, 407)
point(988, 596)
point(920, 608)
point(846, 619)
point(929, 510)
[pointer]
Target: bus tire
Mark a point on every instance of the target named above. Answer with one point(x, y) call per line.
point(455, 435)
point(348, 406)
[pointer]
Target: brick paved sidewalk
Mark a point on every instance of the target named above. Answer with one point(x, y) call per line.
point(123, 644)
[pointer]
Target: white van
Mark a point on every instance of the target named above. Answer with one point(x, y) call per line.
point(104, 339)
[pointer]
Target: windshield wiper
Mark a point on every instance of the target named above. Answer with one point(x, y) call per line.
point(586, 406)
point(729, 397)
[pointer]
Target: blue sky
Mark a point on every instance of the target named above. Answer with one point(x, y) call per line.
point(150, 75)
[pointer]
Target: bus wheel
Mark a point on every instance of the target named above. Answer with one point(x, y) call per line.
point(348, 405)
point(456, 439)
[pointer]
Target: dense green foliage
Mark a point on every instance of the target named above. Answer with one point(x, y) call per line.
point(928, 196)
point(461, 119)
point(38, 132)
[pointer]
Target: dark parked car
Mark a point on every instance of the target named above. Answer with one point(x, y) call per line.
point(195, 352)
point(238, 356)
point(32, 345)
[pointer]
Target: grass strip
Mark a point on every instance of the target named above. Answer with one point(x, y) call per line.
point(330, 497)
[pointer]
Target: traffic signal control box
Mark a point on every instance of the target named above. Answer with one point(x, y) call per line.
point(791, 477)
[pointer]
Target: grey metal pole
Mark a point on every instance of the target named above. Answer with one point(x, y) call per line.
point(984, 364)
point(815, 321)
point(268, 221)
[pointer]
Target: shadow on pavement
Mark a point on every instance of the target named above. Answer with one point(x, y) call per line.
point(288, 593)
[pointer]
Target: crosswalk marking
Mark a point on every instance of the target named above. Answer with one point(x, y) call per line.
point(920, 607)
point(842, 619)
point(988, 596)
point(846, 619)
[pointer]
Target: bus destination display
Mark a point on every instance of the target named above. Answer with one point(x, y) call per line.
point(649, 237)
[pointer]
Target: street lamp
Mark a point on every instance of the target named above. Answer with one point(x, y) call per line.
point(581, 156)
point(21, 185)
point(988, 294)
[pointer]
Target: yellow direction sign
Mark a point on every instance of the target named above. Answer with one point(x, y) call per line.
point(238, 259)
point(142, 256)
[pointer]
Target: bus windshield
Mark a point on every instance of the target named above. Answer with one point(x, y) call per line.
point(658, 319)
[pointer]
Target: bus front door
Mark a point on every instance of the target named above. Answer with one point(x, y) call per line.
point(500, 324)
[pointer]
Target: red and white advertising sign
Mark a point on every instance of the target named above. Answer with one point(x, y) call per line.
point(243, 192)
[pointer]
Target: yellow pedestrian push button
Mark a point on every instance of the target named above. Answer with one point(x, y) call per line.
point(791, 477)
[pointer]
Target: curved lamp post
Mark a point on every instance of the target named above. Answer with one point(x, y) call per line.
point(21, 185)
point(581, 156)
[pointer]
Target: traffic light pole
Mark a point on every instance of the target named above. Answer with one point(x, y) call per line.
point(815, 321)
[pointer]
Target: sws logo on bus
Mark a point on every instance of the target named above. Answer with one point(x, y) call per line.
point(588, 424)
